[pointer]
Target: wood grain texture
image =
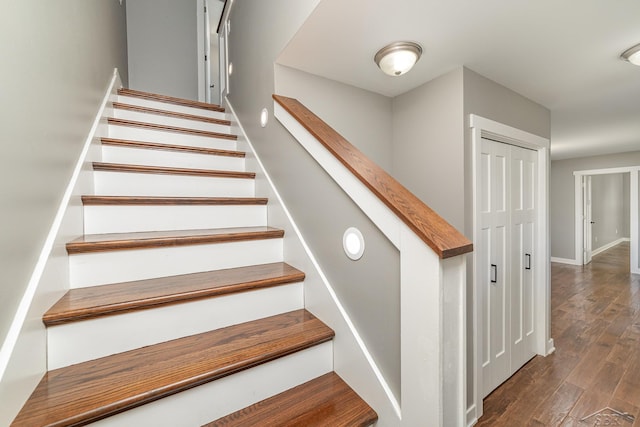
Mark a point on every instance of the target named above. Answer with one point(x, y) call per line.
point(171, 201)
point(165, 170)
point(326, 401)
point(176, 129)
point(97, 301)
point(169, 99)
point(170, 147)
point(157, 239)
point(443, 238)
point(595, 323)
point(89, 391)
point(166, 113)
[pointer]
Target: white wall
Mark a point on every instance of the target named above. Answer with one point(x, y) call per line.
point(162, 39)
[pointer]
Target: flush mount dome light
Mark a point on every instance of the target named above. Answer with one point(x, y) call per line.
point(632, 55)
point(398, 58)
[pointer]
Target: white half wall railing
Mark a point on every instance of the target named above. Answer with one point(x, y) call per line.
point(433, 271)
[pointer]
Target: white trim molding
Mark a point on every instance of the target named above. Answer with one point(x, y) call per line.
point(482, 127)
point(565, 261)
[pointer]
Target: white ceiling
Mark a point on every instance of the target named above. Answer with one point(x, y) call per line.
point(563, 54)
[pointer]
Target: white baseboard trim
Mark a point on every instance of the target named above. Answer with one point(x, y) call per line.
point(21, 314)
point(609, 245)
point(565, 261)
point(472, 418)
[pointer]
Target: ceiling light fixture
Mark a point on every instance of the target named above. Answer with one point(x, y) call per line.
point(632, 55)
point(398, 58)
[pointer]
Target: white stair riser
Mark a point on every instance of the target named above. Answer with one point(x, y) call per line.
point(125, 219)
point(213, 400)
point(90, 339)
point(169, 121)
point(179, 159)
point(99, 268)
point(132, 100)
point(167, 137)
point(147, 184)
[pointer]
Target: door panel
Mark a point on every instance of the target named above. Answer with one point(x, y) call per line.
point(494, 293)
point(523, 215)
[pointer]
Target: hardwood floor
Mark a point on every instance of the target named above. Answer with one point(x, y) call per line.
point(595, 323)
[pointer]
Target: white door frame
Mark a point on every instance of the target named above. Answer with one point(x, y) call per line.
point(200, 37)
point(587, 217)
point(633, 202)
point(482, 127)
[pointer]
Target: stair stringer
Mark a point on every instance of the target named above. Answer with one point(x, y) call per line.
point(351, 359)
point(23, 355)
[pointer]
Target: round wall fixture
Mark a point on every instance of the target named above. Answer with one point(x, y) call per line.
point(353, 243)
point(264, 117)
point(230, 68)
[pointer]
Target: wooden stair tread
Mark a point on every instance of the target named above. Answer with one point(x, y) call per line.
point(155, 239)
point(154, 126)
point(85, 303)
point(326, 401)
point(167, 113)
point(166, 170)
point(170, 147)
point(169, 99)
point(88, 391)
point(94, 200)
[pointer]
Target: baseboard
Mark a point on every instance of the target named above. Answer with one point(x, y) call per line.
point(565, 261)
point(23, 353)
point(609, 245)
point(472, 417)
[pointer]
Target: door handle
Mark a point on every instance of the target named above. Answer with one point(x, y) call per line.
point(527, 265)
point(494, 273)
point(593, 222)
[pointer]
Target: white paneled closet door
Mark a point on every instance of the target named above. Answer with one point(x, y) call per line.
point(523, 233)
point(507, 215)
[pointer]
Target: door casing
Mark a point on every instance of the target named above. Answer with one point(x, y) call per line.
point(482, 127)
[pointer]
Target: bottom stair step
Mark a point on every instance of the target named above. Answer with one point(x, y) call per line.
point(325, 401)
point(89, 391)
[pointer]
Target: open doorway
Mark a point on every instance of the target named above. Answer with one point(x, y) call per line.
point(607, 213)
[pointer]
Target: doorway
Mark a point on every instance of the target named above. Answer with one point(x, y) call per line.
point(539, 342)
point(596, 234)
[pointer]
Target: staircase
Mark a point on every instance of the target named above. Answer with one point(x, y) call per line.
point(181, 310)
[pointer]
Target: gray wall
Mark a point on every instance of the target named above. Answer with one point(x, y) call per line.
point(608, 202)
point(363, 117)
point(369, 288)
point(432, 148)
point(562, 196)
point(162, 41)
point(62, 56)
point(428, 145)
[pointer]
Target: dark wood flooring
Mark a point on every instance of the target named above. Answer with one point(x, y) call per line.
point(595, 323)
